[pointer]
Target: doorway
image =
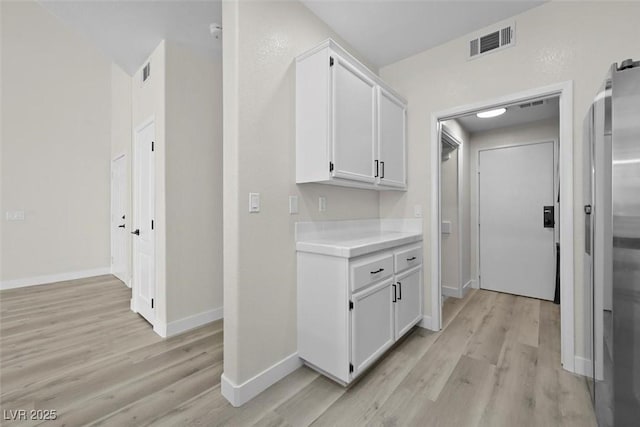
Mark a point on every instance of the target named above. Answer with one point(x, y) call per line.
point(564, 217)
point(119, 235)
point(143, 227)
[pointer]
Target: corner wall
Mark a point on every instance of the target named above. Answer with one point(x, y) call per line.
point(148, 101)
point(184, 96)
point(556, 42)
point(260, 43)
point(193, 185)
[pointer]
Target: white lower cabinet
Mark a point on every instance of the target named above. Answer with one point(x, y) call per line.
point(352, 310)
point(408, 307)
point(372, 331)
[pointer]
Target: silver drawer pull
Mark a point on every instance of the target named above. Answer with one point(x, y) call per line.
point(411, 259)
point(377, 271)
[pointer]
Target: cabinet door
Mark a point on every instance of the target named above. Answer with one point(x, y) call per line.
point(371, 325)
point(353, 118)
point(391, 140)
point(408, 306)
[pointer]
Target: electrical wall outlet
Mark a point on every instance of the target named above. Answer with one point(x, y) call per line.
point(15, 215)
point(254, 202)
point(322, 203)
point(293, 205)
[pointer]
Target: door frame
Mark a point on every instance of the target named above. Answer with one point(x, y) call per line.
point(459, 178)
point(134, 207)
point(476, 207)
point(564, 91)
point(127, 281)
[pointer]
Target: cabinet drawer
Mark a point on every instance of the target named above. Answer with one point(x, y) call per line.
point(407, 258)
point(370, 269)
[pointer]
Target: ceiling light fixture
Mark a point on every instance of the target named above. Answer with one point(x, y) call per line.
point(491, 113)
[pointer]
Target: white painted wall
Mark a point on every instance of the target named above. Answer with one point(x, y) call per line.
point(557, 41)
point(121, 139)
point(148, 100)
point(56, 139)
point(193, 182)
point(261, 40)
point(544, 130)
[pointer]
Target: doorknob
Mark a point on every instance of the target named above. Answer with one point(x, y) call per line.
point(137, 232)
point(121, 226)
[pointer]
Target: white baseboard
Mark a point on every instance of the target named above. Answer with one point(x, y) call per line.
point(238, 395)
point(467, 287)
point(160, 328)
point(426, 323)
point(450, 292)
point(582, 366)
point(126, 281)
point(455, 292)
point(52, 278)
point(166, 330)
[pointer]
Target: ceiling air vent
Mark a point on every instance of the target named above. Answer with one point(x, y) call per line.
point(532, 104)
point(497, 39)
point(146, 72)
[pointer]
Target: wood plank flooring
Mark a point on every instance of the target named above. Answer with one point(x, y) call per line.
point(77, 348)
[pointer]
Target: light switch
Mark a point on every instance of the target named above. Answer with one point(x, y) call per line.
point(254, 202)
point(417, 211)
point(322, 203)
point(293, 204)
point(15, 216)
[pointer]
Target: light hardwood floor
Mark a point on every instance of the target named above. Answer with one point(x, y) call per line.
point(77, 348)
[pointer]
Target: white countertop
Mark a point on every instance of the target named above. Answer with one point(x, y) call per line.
point(349, 239)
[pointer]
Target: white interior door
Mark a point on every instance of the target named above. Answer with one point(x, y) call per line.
point(517, 253)
point(119, 230)
point(391, 140)
point(353, 123)
point(143, 223)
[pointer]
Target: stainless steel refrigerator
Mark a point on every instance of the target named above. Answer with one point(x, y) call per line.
point(612, 246)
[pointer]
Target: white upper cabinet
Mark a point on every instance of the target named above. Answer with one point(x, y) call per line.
point(354, 97)
point(350, 126)
point(392, 114)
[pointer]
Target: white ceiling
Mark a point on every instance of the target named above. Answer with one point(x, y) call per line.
point(127, 31)
point(385, 31)
point(515, 115)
